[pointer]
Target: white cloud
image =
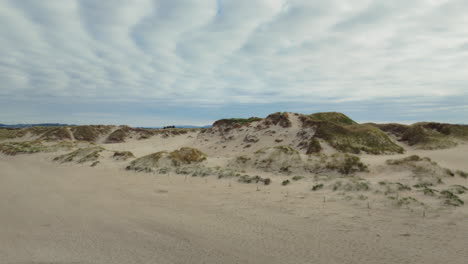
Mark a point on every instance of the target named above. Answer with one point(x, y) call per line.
point(233, 51)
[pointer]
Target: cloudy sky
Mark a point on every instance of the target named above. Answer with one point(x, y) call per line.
point(161, 62)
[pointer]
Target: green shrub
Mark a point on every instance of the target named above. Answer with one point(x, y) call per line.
point(285, 182)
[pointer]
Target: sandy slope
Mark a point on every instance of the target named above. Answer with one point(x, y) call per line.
point(51, 213)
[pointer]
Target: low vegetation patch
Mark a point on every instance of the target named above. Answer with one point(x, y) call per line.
point(458, 189)
point(164, 159)
point(297, 178)
point(424, 170)
point(123, 155)
point(450, 198)
point(254, 179)
point(29, 147)
point(11, 133)
point(81, 155)
point(351, 185)
point(14, 148)
point(393, 187)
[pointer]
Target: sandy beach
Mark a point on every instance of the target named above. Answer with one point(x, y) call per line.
point(53, 213)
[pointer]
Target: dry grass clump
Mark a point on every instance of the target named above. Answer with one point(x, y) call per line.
point(187, 155)
point(281, 119)
point(123, 155)
point(346, 164)
point(90, 133)
point(81, 155)
point(351, 185)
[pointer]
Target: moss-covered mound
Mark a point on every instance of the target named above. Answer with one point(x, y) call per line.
point(123, 155)
point(164, 159)
point(334, 117)
point(90, 133)
point(345, 135)
point(356, 138)
point(28, 147)
point(81, 155)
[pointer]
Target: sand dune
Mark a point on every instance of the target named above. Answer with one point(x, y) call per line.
point(69, 201)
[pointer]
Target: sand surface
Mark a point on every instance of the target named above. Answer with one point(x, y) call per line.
point(67, 213)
